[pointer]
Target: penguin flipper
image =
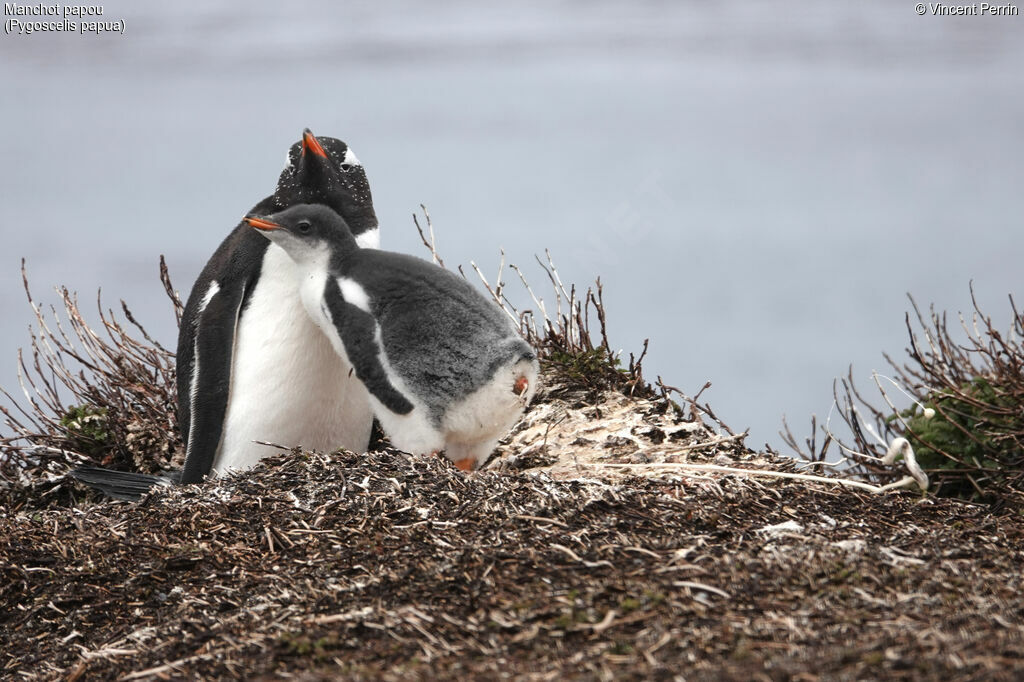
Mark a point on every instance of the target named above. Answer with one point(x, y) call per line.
point(358, 331)
point(120, 485)
point(210, 383)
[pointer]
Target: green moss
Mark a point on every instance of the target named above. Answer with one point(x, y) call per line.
point(621, 649)
point(587, 367)
point(87, 429)
point(647, 600)
point(565, 621)
point(653, 597)
point(873, 658)
point(305, 646)
point(971, 433)
point(845, 573)
point(629, 604)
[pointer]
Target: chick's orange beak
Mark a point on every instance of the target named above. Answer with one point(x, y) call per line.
point(261, 224)
point(311, 144)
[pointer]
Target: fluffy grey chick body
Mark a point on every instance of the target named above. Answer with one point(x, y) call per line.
point(445, 367)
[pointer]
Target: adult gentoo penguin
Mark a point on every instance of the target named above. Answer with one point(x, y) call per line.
point(251, 365)
point(445, 367)
point(244, 337)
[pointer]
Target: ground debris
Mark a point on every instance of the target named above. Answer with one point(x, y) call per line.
point(390, 566)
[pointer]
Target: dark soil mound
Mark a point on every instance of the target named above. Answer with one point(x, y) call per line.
point(397, 567)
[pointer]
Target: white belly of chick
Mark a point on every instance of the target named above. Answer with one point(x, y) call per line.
point(288, 386)
point(473, 425)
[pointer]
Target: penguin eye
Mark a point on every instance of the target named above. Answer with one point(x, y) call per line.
point(304, 227)
point(346, 167)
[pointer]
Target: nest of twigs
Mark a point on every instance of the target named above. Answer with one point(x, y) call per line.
point(106, 395)
point(384, 566)
point(618, 536)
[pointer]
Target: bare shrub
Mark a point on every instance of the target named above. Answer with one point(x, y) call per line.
point(966, 423)
point(562, 336)
point(102, 395)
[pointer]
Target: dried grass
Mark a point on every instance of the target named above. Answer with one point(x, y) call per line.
point(621, 538)
point(387, 566)
point(102, 395)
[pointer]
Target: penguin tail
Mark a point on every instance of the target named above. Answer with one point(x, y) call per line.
point(121, 485)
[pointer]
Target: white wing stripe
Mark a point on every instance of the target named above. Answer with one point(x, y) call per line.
point(354, 293)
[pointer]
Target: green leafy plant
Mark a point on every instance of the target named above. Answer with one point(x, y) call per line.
point(973, 439)
point(967, 422)
point(87, 429)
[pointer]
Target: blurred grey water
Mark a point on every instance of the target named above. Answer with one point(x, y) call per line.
point(757, 184)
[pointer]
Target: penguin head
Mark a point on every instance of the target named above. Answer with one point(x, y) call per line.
point(325, 171)
point(309, 233)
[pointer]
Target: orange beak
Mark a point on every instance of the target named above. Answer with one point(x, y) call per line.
point(261, 224)
point(522, 383)
point(311, 144)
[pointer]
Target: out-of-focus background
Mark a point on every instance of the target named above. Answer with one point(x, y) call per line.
point(757, 184)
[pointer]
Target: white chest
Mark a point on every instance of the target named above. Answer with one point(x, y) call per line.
point(288, 386)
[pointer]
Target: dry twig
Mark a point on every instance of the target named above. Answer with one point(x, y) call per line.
point(966, 421)
point(104, 395)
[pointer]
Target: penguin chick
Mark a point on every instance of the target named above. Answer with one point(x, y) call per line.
point(445, 367)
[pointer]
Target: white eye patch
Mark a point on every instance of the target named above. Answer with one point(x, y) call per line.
point(350, 158)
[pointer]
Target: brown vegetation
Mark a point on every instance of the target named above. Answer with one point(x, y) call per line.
point(617, 534)
point(966, 424)
point(104, 396)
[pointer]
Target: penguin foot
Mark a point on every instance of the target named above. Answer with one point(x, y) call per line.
point(466, 463)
